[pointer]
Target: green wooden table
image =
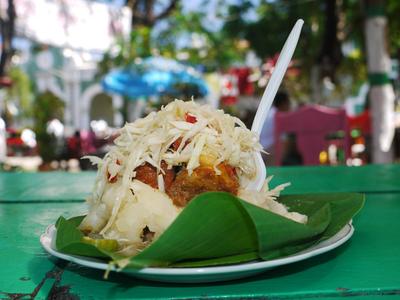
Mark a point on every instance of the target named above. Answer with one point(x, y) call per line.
point(366, 267)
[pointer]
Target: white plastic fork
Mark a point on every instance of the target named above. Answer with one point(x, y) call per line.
point(268, 97)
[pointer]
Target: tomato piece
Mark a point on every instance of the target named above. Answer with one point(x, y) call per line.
point(175, 145)
point(148, 174)
point(190, 118)
point(231, 171)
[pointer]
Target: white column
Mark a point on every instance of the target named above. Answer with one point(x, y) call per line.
point(118, 102)
point(76, 93)
point(68, 116)
point(72, 93)
point(135, 109)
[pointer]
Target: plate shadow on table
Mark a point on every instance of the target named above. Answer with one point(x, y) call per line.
point(46, 279)
point(124, 282)
point(303, 265)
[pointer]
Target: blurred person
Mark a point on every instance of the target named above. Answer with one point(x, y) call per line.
point(56, 130)
point(88, 140)
point(88, 147)
point(74, 145)
point(282, 104)
point(291, 156)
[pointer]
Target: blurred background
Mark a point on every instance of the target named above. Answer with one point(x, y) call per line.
point(73, 71)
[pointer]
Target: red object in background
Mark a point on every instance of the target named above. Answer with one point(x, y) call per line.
point(231, 100)
point(13, 138)
point(14, 141)
point(5, 81)
point(270, 63)
point(74, 146)
point(245, 87)
point(311, 124)
point(88, 141)
point(229, 89)
point(15, 144)
point(361, 122)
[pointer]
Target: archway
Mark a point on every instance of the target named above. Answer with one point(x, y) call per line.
point(101, 108)
point(95, 104)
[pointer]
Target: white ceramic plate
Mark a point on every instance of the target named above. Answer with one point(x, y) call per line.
point(204, 274)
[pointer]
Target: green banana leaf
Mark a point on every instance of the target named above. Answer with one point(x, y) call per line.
point(70, 239)
point(218, 228)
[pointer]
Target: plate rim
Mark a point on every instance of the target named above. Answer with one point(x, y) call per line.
point(47, 241)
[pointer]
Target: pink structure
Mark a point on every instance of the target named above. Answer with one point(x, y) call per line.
point(311, 124)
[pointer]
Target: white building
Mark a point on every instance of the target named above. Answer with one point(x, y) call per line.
point(74, 83)
point(77, 32)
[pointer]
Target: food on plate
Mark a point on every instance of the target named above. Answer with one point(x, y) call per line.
point(159, 163)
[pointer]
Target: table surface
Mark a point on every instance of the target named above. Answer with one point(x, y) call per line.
point(365, 267)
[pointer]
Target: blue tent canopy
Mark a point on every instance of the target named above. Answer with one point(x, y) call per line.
point(153, 76)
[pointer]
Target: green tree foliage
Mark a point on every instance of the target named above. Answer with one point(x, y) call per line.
point(46, 107)
point(125, 51)
point(217, 49)
point(332, 39)
point(274, 21)
point(20, 93)
point(139, 43)
point(329, 24)
point(393, 12)
point(201, 46)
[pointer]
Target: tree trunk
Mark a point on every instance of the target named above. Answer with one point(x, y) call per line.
point(7, 34)
point(381, 94)
point(330, 54)
point(143, 12)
